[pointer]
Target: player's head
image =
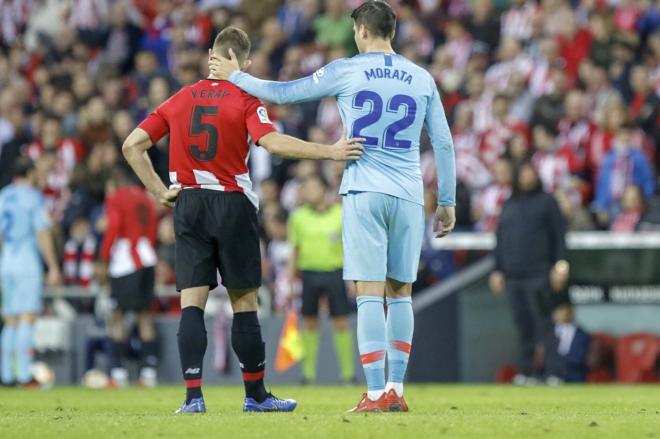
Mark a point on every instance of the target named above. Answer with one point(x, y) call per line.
point(24, 170)
point(236, 39)
point(119, 176)
point(314, 189)
point(373, 20)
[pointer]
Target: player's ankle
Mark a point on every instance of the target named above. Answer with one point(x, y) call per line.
point(397, 387)
point(375, 395)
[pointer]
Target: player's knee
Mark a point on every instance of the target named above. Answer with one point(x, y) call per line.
point(311, 323)
point(27, 318)
point(396, 288)
point(10, 320)
point(146, 326)
point(244, 300)
point(340, 323)
point(194, 297)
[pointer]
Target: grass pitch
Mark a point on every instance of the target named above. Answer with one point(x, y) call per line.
point(437, 411)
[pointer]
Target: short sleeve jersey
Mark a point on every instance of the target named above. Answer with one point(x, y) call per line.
point(210, 124)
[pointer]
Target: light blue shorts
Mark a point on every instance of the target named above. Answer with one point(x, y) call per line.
point(382, 237)
point(21, 293)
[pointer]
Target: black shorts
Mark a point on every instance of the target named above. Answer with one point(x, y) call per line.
point(135, 291)
point(319, 283)
point(216, 231)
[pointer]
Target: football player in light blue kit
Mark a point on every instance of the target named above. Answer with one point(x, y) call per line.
point(385, 99)
point(24, 234)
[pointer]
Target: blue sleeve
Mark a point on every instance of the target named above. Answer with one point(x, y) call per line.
point(326, 81)
point(645, 175)
point(443, 149)
point(602, 197)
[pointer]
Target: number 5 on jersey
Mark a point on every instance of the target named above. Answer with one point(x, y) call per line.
point(197, 127)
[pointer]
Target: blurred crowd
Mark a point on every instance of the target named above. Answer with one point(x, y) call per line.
point(571, 85)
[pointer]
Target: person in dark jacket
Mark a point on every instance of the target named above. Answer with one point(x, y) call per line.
point(529, 265)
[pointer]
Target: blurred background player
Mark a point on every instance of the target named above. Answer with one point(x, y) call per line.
point(215, 219)
point(315, 233)
point(531, 274)
point(129, 247)
point(25, 236)
point(387, 99)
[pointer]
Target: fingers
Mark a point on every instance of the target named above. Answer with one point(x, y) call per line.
point(353, 140)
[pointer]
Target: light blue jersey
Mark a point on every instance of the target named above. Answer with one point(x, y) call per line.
point(22, 215)
point(385, 99)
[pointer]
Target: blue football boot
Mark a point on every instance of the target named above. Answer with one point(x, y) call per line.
point(196, 405)
point(270, 404)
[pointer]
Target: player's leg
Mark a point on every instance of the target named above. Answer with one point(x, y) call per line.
point(7, 344)
point(24, 347)
point(310, 330)
point(342, 333)
point(7, 338)
point(406, 233)
point(192, 340)
point(119, 337)
point(400, 327)
point(147, 330)
point(30, 287)
point(195, 266)
point(239, 262)
point(364, 237)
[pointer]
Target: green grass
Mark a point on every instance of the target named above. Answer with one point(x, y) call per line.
point(437, 411)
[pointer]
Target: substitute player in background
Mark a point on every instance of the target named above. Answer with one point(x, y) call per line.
point(129, 247)
point(315, 233)
point(215, 219)
point(386, 99)
point(25, 235)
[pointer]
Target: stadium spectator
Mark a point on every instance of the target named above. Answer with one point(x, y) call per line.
point(529, 265)
point(632, 210)
point(624, 165)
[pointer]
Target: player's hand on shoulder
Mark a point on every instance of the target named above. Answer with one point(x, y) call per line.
point(348, 149)
point(168, 197)
point(222, 68)
point(445, 219)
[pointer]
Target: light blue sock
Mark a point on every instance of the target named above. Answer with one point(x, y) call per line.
point(7, 353)
point(24, 351)
point(400, 327)
point(372, 342)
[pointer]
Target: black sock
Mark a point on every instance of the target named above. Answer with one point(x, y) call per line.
point(251, 352)
point(149, 354)
point(192, 346)
point(119, 351)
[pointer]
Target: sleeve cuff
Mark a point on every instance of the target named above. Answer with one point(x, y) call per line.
point(234, 77)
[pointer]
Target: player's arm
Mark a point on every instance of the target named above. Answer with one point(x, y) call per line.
point(135, 151)
point(443, 150)
point(294, 148)
point(46, 243)
point(326, 81)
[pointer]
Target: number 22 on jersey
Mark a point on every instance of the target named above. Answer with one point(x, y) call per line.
point(375, 103)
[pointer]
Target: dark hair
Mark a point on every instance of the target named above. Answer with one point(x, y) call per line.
point(233, 38)
point(516, 189)
point(23, 167)
point(377, 16)
point(121, 175)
